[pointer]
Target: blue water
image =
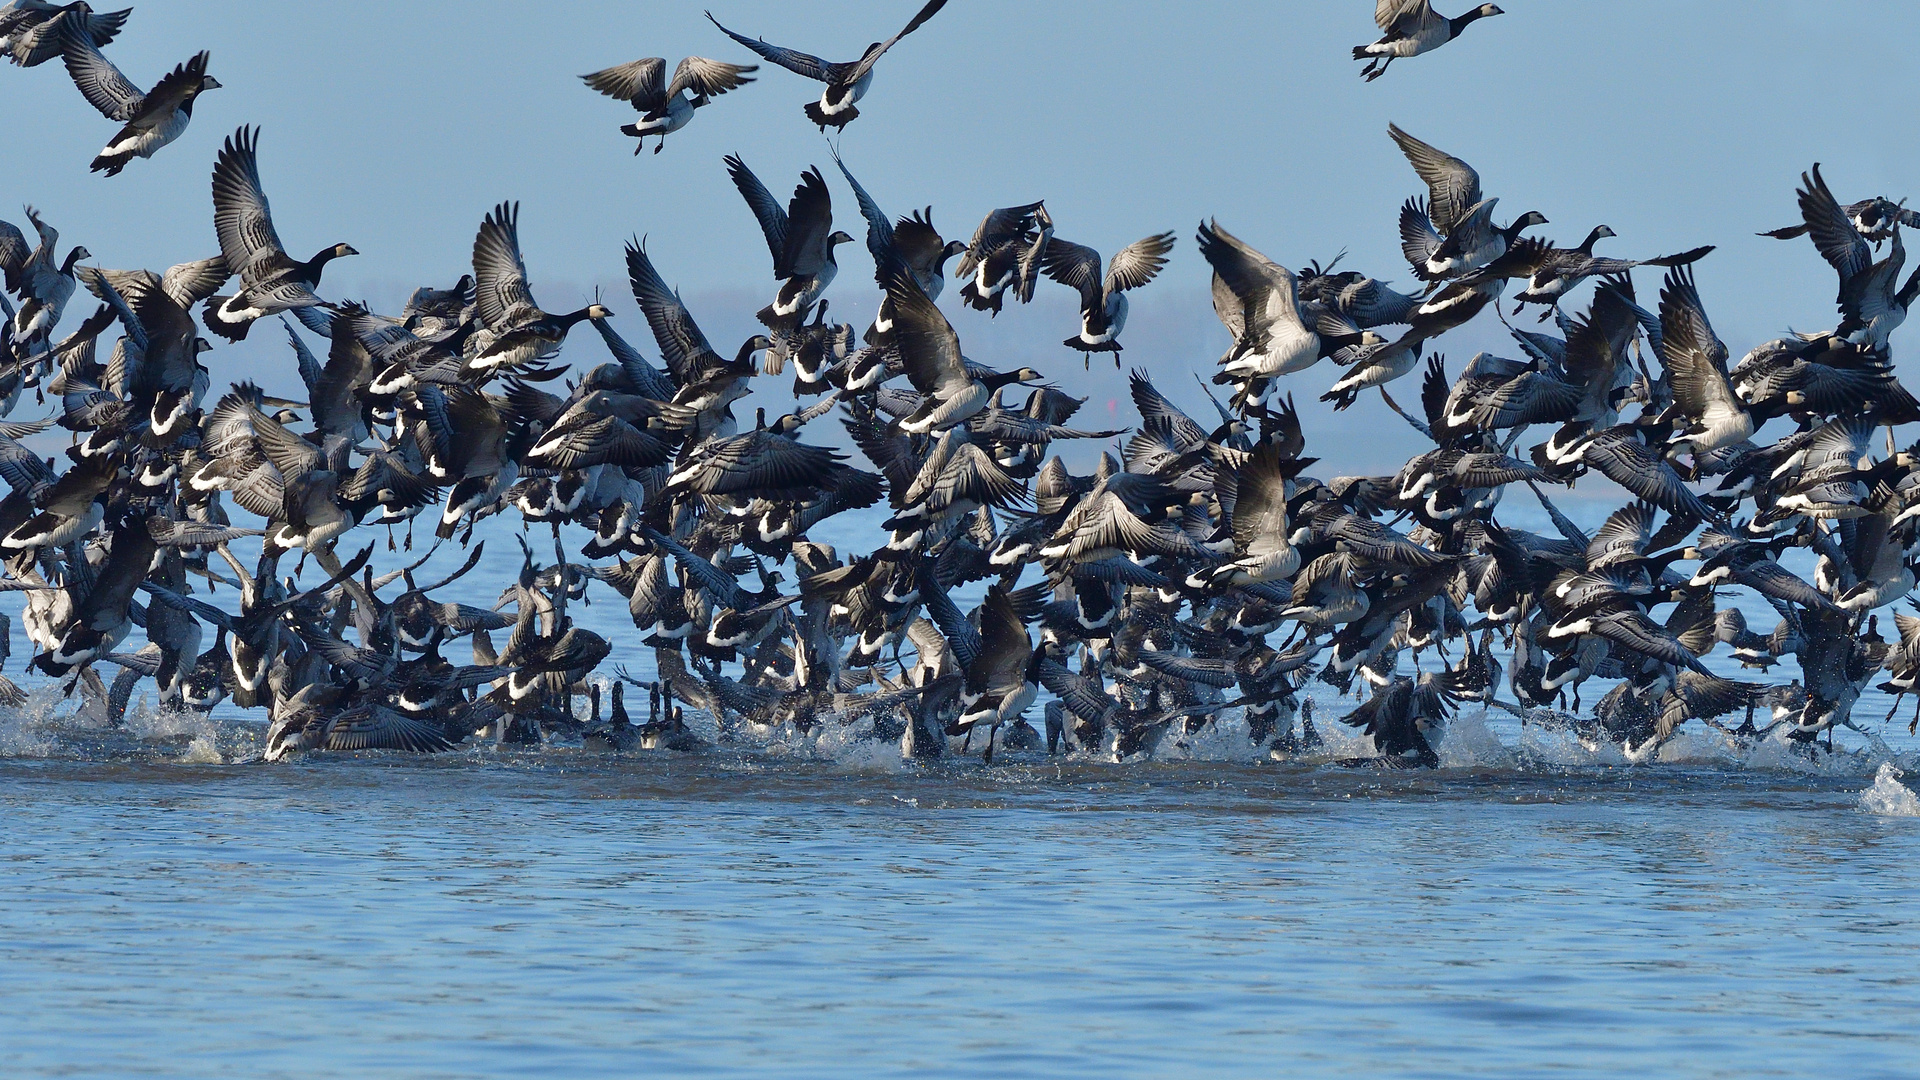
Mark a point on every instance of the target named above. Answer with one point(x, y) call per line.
point(171, 906)
point(563, 916)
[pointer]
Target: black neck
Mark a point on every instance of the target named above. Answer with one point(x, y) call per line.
point(319, 263)
point(1461, 22)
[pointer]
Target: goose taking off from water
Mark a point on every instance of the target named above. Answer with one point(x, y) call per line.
point(1412, 27)
point(846, 83)
point(665, 107)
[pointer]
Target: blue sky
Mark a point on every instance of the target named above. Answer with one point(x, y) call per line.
point(394, 127)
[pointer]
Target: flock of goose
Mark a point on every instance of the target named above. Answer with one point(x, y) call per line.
point(1209, 567)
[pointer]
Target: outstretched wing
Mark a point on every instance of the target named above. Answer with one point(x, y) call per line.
point(102, 84)
point(793, 60)
point(241, 218)
point(873, 55)
point(1452, 185)
point(709, 78)
point(643, 82)
point(1138, 262)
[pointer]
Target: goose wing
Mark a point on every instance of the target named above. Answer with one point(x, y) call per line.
point(189, 283)
point(873, 55)
point(1622, 537)
point(709, 78)
point(500, 294)
point(1630, 628)
point(649, 380)
point(643, 82)
point(1076, 266)
point(766, 210)
point(291, 454)
point(1620, 456)
point(241, 218)
point(375, 727)
point(965, 641)
point(1832, 231)
point(809, 220)
point(1696, 359)
point(928, 345)
point(880, 242)
point(102, 84)
point(1138, 262)
point(1005, 646)
point(1418, 238)
point(1263, 286)
point(1260, 508)
point(792, 59)
point(1388, 14)
point(682, 345)
point(1452, 185)
point(15, 254)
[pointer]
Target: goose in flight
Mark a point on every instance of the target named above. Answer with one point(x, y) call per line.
point(31, 30)
point(152, 119)
point(846, 83)
point(270, 280)
point(665, 107)
point(1412, 27)
point(1103, 299)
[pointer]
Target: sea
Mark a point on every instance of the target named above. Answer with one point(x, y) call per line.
point(811, 905)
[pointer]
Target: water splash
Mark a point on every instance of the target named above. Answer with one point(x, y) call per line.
point(1888, 797)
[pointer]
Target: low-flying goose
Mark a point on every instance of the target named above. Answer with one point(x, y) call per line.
point(1002, 668)
point(1412, 27)
point(666, 107)
point(1697, 365)
point(1404, 719)
point(1103, 290)
point(513, 330)
point(153, 119)
point(270, 280)
point(846, 83)
point(801, 239)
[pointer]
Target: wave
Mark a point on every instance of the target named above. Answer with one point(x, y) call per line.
point(1888, 797)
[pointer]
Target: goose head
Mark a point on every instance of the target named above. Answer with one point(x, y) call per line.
point(208, 82)
point(839, 237)
point(754, 344)
point(1527, 221)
